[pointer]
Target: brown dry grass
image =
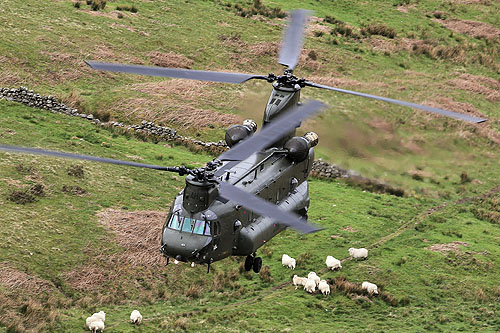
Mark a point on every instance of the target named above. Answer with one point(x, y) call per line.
point(449, 104)
point(445, 248)
point(170, 59)
point(335, 81)
point(138, 233)
point(9, 79)
point(472, 28)
point(17, 280)
point(479, 85)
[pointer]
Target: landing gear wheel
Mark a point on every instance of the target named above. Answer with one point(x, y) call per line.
point(248, 263)
point(257, 264)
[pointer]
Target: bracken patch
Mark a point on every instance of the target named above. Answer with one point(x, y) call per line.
point(445, 248)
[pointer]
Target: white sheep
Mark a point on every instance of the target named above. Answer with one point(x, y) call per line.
point(310, 286)
point(96, 326)
point(100, 315)
point(370, 287)
point(288, 261)
point(135, 317)
point(358, 253)
point(297, 280)
point(333, 263)
point(324, 287)
point(313, 276)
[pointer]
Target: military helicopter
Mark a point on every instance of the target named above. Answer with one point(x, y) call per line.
point(242, 199)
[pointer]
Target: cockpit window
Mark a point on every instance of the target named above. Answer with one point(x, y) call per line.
point(186, 224)
point(175, 222)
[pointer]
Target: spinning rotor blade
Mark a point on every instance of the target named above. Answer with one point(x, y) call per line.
point(272, 132)
point(431, 109)
point(175, 72)
point(292, 40)
point(265, 208)
point(37, 151)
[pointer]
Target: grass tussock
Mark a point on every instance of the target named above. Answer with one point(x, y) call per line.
point(378, 29)
point(258, 8)
point(265, 274)
point(76, 170)
point(127, 8)
point(21, 197)
point(74, 190)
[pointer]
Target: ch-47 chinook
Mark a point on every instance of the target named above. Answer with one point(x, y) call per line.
point(246, 196)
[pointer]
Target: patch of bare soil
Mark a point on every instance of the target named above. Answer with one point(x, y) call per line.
point(471, 28)
point(479, 85)
point(444, 248)
point(17, 280)
point(170, 59)
point(349, 228)
point(138, 233)
point(315, 24)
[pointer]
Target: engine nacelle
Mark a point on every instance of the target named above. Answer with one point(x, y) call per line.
point(298, 146)
point(237, 133)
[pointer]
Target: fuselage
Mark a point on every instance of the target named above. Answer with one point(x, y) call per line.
point(203, 228)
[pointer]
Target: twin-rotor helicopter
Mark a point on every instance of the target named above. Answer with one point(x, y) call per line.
point(242, 199)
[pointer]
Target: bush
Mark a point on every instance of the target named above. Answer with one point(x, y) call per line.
point(132, 9)
point(333, 20)
point(21, 197)
point(265, 274)
point(76, 171)
point(77, 4)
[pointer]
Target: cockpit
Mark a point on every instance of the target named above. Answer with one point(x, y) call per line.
point(187, 224)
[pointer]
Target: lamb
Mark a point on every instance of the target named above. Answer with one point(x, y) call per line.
point(324, 287)
point(310, 286)
point(370, 287)
point(313, 276)
point(286, 260)
point(358, 253)
point(333, 263)
point(96, 326)
point(298, 280)
point(135, 317)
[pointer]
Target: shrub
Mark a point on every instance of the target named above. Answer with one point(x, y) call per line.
point(21, 197)
point(77, 4)
point(132, 9)
point(333, 20)
point(265, 274)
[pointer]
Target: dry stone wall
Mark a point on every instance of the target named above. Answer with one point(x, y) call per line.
point(320, 169)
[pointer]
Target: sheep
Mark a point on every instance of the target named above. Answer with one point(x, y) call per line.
point(313, 276)
point(370, 287)
point(286, 260)
point(96, 326)
point(358, 253)
point(333, 263)
point(298, 280)
point(192, 264)
point(136, 317)
point(324, 287)
point(310, 286)
point(100, 315)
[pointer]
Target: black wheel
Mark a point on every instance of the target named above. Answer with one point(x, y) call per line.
point(257, 264)
point(248, 263)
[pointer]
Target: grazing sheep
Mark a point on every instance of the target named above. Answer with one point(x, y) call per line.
point(324, 287)
point(100, 315)
point(297, 280)
point(286, 260)
point(136, 317)
point(310, 286)
point(358, 253)
point(370, 287)
point(313, 276)
point(176, 262)
point(192, 264)
point(333, 263)
point(96, 326)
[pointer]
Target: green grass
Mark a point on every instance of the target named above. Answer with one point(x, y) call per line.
point(43, 45)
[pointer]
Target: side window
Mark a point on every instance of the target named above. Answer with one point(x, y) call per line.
point(207, 229)
point(198, 227)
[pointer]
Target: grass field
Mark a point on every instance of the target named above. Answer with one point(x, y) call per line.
point(84, 242)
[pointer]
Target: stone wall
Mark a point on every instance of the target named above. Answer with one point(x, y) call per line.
point(320, 169)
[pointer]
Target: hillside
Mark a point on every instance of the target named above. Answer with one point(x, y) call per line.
point(85, 237)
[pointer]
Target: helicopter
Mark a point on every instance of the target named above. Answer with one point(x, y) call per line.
point(240, 200)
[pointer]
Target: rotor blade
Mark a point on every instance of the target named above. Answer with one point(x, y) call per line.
point(265, 208)
point(272, 132)
point(447, 113)
point(291, 44)
point(37, 151)
point(175, 72)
